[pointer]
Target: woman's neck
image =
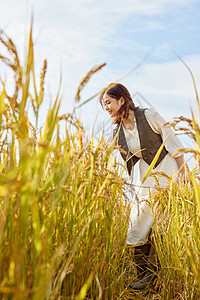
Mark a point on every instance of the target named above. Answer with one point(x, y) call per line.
point(129, 123)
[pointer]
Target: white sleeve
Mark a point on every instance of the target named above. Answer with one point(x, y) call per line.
point(172, 143)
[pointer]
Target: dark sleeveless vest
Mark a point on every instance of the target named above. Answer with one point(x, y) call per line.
point(150, 142)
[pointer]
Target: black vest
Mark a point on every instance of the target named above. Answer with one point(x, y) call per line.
point(150, 142)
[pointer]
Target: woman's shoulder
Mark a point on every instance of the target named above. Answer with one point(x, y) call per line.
point(154, 119)
point(150, 112)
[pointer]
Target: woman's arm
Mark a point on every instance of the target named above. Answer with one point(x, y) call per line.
point(172, 142)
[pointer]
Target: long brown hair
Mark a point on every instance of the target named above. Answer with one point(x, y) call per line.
point(117, 91)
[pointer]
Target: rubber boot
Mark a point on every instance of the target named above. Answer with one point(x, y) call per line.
point(150, 273)
point(141, 254)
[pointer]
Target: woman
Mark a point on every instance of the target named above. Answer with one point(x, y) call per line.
point(140, 133)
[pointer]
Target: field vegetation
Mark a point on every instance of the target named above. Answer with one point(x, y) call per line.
point(63, 207)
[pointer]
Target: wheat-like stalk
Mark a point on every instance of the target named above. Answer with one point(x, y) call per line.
point(85, 80)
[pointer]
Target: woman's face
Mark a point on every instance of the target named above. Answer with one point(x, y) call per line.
point(112, 105)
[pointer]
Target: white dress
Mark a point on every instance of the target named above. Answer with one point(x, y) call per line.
point(141, 218)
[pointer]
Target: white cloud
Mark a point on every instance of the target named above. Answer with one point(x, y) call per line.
point(168, 86)
point(75, 33)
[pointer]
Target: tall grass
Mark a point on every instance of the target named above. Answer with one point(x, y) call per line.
point(178, 245)
point(179, 250)
point(63, 218)
point(177, 229)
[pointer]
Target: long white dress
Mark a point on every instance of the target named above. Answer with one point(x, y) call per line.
point(141, 218)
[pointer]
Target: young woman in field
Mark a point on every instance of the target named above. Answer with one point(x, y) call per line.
point(140, 133)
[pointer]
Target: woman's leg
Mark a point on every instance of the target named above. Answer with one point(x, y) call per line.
point(141, 254)
point(148, 267)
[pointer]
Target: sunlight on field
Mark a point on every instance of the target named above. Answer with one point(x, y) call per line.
point(64, 214)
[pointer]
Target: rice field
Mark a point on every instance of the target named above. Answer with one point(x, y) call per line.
point(63, 207)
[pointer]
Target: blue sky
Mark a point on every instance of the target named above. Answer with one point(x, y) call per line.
point(76, 35)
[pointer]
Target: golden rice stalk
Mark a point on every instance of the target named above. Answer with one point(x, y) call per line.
point(86, 79)
point(33, 104)
point(29, 63)
point(153, 162)
point(189, 130)
point(42, 77)
point(120, 79)
point(14, 63)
